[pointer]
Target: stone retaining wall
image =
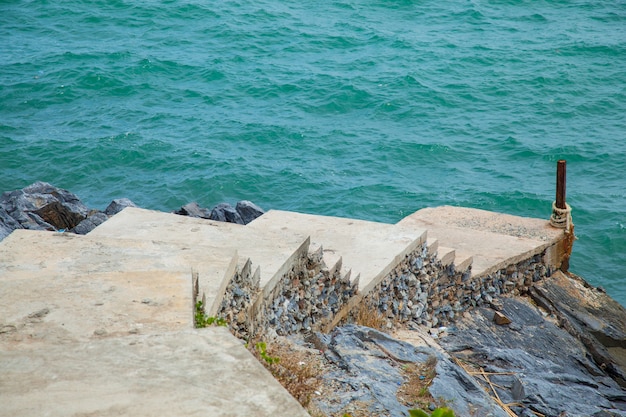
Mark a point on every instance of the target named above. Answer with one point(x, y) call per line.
point(409, 291)
point(239, 297)
point(427, 293)
point(514, 279)
point(419, 290)
point(305, 298)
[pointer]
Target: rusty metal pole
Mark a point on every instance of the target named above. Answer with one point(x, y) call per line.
point(560, 184)
point(560, 204)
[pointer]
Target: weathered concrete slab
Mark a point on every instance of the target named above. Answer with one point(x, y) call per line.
point(369, 249)
point(203, 372)
point(489, 221)
point(493, 240)
point(60, 287)
point(272, 250)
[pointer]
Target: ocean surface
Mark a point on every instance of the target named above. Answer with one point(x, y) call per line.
point(369, 109)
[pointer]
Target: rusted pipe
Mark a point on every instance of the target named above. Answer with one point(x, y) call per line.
point(560, 184)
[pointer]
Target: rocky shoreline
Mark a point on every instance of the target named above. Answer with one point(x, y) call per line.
point(523, 341)
point(42, 206)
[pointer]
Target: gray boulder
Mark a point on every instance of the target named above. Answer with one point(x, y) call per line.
point(194, 210)
point(7, 224)
point(41, 206)
point(243, 213)
point(90, 223)
point(224, 212)
point(4, 231)
point(118, 205)
point(248, 211)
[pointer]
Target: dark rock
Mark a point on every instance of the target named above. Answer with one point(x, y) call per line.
point(554, 369)
point(60, 216)
point(90, 223)
point(248, 211)
point(517, 389)
point(364, 369)
point(118, 205)
point(462, 392)
point(591, 316)
point(193, 210)
point(224, 212)
point(41, 206)
point(4, 231)
point(368, 370)
point(606, 414)
point(7, 224)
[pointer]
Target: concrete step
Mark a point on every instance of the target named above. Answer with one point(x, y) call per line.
point(272, 251)
point(492, 240)
point(446, 255)
point(61, 287)
point(370, 250)
point(193, 372)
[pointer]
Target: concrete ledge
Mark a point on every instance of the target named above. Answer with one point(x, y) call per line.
point(493, 240)
point(488, 221)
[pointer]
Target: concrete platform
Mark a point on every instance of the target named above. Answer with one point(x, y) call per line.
point(203, 372)
point(102, 327)
point(369, 249)
point(61, 287)
point(493, 240)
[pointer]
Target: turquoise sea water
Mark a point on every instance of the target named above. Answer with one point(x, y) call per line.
point(369, 109)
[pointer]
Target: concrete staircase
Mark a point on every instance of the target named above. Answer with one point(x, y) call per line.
point(102, 324)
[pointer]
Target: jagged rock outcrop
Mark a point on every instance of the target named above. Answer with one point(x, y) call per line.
point(7, 223)
point(42, 206)
point(534, 364)
point(591, 316)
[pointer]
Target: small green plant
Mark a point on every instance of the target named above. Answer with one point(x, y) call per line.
point(202, 320)
point(439, 412)
point(261, 347)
